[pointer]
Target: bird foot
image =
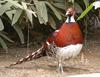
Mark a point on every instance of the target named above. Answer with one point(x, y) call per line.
point(60, 70)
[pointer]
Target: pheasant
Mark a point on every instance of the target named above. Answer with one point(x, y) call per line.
point(65, 43)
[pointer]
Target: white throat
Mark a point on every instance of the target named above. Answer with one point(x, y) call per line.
point(71, 19)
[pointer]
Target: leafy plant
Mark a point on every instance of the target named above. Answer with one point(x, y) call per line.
point(45, 11)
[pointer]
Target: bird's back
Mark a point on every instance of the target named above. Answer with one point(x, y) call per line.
point(69, 33)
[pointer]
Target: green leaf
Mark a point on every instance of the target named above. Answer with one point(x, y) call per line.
point(85, 12)
point(2, 42)
point(54, 10)
point(0, 5)
point(52, 22)
point(24, 5)
point(15, 3)
point(16, 16)
point(33, 10)
point(72, 1)
point(59, 1)
point(38, 9)
point(59, 5)
point(10, 14)
point(86, 2)
point(1, 25)
point(2, 1)
point(5, 37)
point(19, 32)
point(5, 7)
point(44, 13)
point(78, 8)
point(29, 16)
point(41, 11)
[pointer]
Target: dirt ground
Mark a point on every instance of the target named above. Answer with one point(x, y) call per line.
point(46, 67)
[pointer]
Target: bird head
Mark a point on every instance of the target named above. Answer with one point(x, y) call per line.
point(70, 11)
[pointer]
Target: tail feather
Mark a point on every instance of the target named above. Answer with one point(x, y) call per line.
point(34, 55)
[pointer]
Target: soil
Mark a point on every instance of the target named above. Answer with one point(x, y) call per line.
point(88, 61)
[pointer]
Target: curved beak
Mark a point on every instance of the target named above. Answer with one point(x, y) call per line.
point(66, 14)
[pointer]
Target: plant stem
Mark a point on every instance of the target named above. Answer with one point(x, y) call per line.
point(85, 38)
point(28, 39)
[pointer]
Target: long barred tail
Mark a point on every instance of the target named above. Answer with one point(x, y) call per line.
point(34, 55)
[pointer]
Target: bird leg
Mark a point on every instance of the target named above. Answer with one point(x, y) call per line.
point(84, 60)
point(60, 67)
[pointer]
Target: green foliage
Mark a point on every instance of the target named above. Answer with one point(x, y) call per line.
point(85, 12)
point(20, 33)
point(1, 25)
point(86, 2)
point(17, 14)
point(46, 11)
point(41, 11)
point(55, 11)
point(6, 6)
point(2, 42)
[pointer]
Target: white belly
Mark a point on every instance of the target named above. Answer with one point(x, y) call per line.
point(68, 51)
